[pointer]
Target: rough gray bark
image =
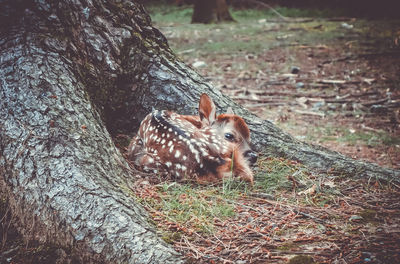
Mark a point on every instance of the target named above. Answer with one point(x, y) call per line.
point(73, 71)
point(65, 179)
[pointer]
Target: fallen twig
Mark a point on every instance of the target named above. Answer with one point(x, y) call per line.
point(316, 219)
point(309, 113)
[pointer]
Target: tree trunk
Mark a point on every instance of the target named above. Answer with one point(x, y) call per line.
point(210, 11)
point(61, 64)
point(74, 71)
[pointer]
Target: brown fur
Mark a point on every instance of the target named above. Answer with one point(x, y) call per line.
point(185, 146)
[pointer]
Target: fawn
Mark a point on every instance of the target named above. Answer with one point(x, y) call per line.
point(206, 148)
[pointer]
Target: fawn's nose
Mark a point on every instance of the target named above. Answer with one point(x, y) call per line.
point(251, 156)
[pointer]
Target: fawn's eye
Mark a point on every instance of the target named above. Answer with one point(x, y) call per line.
point(229, 136)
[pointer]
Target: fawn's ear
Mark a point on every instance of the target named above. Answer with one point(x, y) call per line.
point(230, 111)
point(207, 110)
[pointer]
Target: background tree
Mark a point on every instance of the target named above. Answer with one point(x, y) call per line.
point(72, 74)
point(210, 11)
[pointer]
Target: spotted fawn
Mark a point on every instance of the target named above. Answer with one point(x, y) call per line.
point(205, 148)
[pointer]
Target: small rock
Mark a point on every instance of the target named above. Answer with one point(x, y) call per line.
point(322, 228)
point(294, 70)
point(199, 64)
point(274, 226)
point(250, 56)
point(300, 85)
point(355, 218)
point(347, 26)
point(318, 105)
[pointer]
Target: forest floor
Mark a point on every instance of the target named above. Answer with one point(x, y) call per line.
point(331, 81)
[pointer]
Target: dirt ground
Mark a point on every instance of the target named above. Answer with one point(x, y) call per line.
point(333, 82)
point(342, 92)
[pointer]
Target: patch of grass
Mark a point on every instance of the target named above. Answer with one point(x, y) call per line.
point(232, 47)
point(248, 35)
point(167, 13)
point(287, 246)
point(290, 180)
point(368, 138)
point(345, 135)
point(192, 208)
point(368, 216)
point(245, 14)
point(301, 259)
point(276, 174)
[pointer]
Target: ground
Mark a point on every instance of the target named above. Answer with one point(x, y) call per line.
point(324, 79)
point(332, 81)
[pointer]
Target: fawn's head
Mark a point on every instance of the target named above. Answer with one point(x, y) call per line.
point(229, 126)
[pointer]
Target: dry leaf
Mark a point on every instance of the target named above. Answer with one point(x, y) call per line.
point(309, 190)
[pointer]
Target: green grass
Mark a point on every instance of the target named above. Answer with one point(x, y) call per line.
point(277, 174)
point(245, 14)
point(194, 207)
point(229, 47)
point(251, 33)
point(369, 138)
point(179, 209)
point(345, 135)
point(280, 178)
point(168, 13)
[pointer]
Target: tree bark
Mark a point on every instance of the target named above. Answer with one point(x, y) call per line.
point(73, 72)
point(61, 64)
point(210, 11)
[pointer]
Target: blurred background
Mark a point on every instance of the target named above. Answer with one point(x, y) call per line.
point(327, 72)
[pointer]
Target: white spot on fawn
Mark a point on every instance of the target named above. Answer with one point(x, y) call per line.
point(177, 154)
